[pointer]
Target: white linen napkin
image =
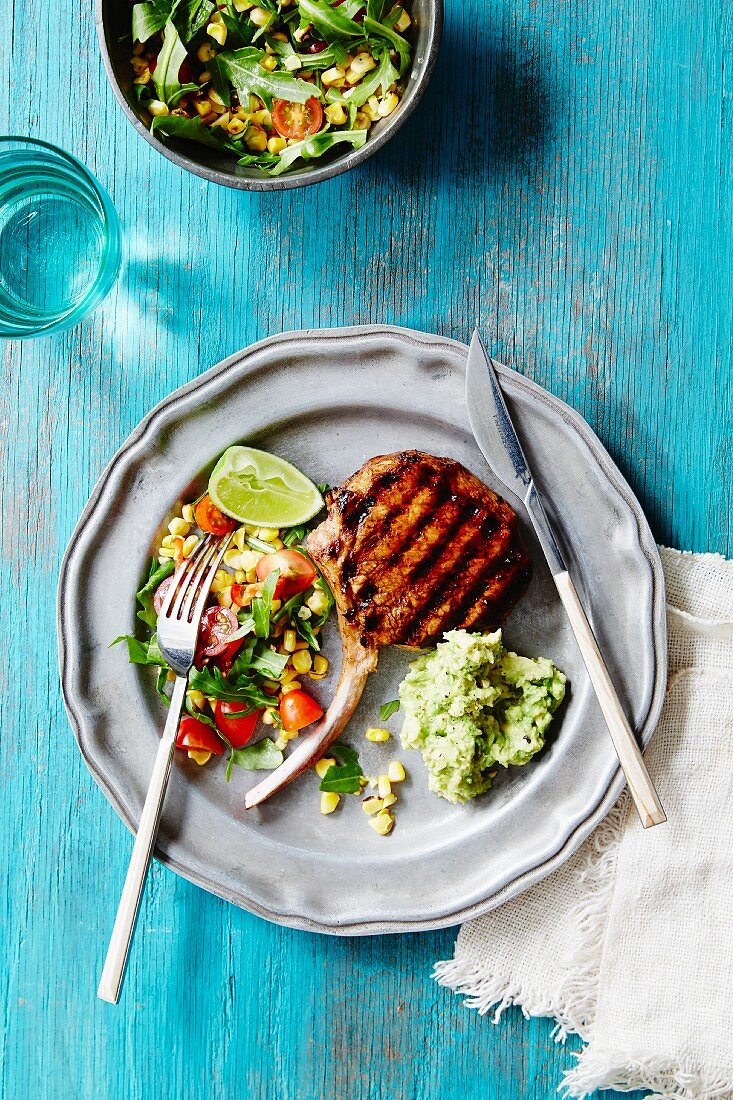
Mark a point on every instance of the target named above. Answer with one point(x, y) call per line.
point(630, 943)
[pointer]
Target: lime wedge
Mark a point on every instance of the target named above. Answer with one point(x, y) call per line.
point(256, 487)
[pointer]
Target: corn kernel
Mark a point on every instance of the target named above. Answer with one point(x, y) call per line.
point(361, 65)
point(384, 786)
point(139, 65)
point(189, 545)
point(300, 644)
point(232, 558)
point(248, 559)
point(268, 534)
point(301, 32)
point(170, 675)
point(318, 602)
point(187, 512)
point(332, 76)
point(198, 699)
point(281, 743)
point(304, 612)
point(256, 139)
point(389, 800)
point(278, 544)
point(291, 63)
point(276, 145)
point(143, 77)
point(301, 660)
point(243, 5)
point(268, 63)
point(205, 52)
point(329, 802)
point(371, 108)
point(240, 576)
point(270, 687)
point(382, 823)
point(396, 772)
point(289, 735)
point(224, 597)
point(199, 755)
point(377, 735)
point(178, 527)
point(289, 640)
point(260, 17)
point(167, 541)
point(388, 104)
point(268, 718)
point(292, 685)
point(166, 553)
point(336, 114)
point(158, 108)
point(276, 604)
point(204, 77)
point(372, 805)
point(217, 31)
point(222, 579)
point(202, 107)
point(362, 121)
point(403, 22)
point(323, 765)
point(240, 535)
point(251, 577)
point(320, 664)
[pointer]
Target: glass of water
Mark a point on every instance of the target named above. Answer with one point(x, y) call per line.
point(60, 241)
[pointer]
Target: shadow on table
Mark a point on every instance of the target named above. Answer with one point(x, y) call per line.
point(487, 110)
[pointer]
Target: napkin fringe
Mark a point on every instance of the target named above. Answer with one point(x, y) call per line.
point(574, 1005)
point(670, 1079)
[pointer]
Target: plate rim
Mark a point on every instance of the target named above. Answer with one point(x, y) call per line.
point(616, 784)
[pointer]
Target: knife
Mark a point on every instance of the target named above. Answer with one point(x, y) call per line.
point(498, 442)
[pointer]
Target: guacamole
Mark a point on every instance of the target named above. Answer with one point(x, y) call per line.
point(470, 705)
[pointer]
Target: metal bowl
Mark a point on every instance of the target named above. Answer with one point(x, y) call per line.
point(113, 23)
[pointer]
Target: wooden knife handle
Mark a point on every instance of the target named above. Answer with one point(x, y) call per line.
point(642, 789)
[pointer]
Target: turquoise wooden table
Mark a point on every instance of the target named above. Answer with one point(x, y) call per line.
point(566, 183)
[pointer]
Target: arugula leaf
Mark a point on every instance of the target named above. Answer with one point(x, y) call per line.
point(329, 21)
point(191, 16)
point(345, 777)
point(398, 43)
point(384, 75)
point(243, 68)
point(263, 756)
point(183, 90)
point(317, 145)
point(158, 573)
point(220, 81)
point(388, 709)
point(240, 32)
point(262, 604)
point(142, 653)
point(243, 689)
point(149, 18)
point(172, 55)
point(160, 683)
point(192, 129)
point(268, 662)
point(304, 628)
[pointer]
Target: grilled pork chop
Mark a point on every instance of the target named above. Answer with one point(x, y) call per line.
point(412, 546)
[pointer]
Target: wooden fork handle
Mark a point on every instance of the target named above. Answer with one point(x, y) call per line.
point(627, 748)
point(113, 972)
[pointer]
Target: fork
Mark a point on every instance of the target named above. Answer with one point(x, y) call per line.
point(179, 620)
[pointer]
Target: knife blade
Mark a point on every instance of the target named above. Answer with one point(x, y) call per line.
point(499, 443)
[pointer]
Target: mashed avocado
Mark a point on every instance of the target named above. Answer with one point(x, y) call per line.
point(470, 705)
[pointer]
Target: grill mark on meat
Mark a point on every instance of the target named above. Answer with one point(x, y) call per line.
point(465, 585)
point(426, 546)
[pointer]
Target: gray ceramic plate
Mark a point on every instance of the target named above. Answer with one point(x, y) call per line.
point(327, 400)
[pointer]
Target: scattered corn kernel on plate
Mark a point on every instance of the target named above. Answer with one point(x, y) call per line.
point(395, 857)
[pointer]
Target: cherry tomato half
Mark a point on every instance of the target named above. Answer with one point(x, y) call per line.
point(297, 120)
point(298, 709)
point(238, 731)
point(211, 519)
point(225, 660)
point(197, 736)
point(217, 626)
point(296, 572)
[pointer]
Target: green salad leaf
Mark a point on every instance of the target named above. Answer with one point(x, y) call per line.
point(388, 709)
point(262, 756)
point(149, 18)
point(193, 129)
point(373, 27)
point(191, 16)
point(243, 68)
point(329, 21)
point(262, 604)
point(317, 145)
point(344, 777)
point(157, 574)
point(142, 653)
point(381, 77)
point(172, 55)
